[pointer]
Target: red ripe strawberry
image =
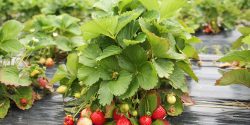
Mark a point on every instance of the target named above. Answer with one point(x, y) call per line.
point(159, 113)
point(145, 120)
point(116, 115)
point(123, 121)
point(86, 112)
point(23, 101)
point(42, 81)
point(98, 118)
point(68, 120)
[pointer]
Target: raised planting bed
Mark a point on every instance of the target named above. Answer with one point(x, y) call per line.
point(214, 104)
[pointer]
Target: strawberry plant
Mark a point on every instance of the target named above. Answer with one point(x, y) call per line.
point(19, 83)
point(241, 75)
point(50, 38)
point(136, 54)
point(212, 16)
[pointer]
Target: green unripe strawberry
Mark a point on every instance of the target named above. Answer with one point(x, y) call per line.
point(171, 99)
point(134, 113)
point(124, 108)
point(61, 89)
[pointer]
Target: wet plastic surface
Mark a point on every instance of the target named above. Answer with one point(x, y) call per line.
point(215, 105)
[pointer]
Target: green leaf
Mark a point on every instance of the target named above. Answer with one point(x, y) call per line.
point(139, 39)
point(60, 74)
point(88, 75)
point(4, 106)
point(89, 55)
point(132, 57)
point(92, 91)
point(127, 17)
point(128, 32)
point(149, 103)
point(145, 70)
point(169, 8)
point(187, 68)
point(23, 92)
point(175, 109)
point(105, 96)
point(120, 86)
point(163, 67)
point(63, 43)
point(246, 39)
point(123, 3)
point(132, 89)
point(106, 26)
point(109, 51)
point(190, 51)
point(150, 4)
point(11, 45)
point(10, 30)
point(244, 30)
point(72, 63)
point(106, 5)
point(159, 45)
point(11, 76)
point(242, 55)
point(178, 80)
point(238, 76)
point(238, 43)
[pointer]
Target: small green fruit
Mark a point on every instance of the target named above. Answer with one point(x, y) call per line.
point(124, 108)
point(61, 89)
point(34, 72)
point(77, 95)
point(134, 113)
point(171, 99)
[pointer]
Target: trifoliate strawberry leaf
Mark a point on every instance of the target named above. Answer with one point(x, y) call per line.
point(132, 89)
point(242, 55)
point(159, 45)
point(187, 68)
point(105, 96)
point(178, 80)
point(105, 26)
point(238, 76)
point(89, 55)
point(144, 71)
point(174, 109)
point(88, 75)
point(127, 17)
point(163, 67)
point(149, 103)
point(4, 106)
point(12, 76)
point(120, 86)
point(109, 51)
point(72, 64)
point(60, 74)
point(23, 92)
